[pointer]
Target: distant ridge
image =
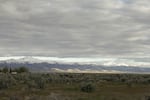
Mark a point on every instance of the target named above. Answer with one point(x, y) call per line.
point(36, 64)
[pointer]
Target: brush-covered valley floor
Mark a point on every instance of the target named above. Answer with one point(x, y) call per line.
point(71, 86)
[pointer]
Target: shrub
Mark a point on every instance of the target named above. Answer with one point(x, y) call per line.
point(147, 97)
point(22, 70)
point(4, 84)
point(14, 98)
point(7, 81)
point(5, 70)
point(87, 87)
point(41, 83)
point(31, 84)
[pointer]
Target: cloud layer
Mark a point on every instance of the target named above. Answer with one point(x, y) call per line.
point(75, 28)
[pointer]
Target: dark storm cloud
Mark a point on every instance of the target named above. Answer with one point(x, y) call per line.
point(75, 28)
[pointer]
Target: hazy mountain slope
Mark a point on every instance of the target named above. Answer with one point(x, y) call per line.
point(38, 65)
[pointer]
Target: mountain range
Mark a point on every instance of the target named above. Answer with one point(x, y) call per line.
point(35, 64)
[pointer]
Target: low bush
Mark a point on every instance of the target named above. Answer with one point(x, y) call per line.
point(87, 87)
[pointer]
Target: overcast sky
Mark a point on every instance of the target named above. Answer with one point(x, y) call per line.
point(75, 28)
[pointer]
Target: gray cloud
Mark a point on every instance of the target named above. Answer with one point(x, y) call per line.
point(75, 28)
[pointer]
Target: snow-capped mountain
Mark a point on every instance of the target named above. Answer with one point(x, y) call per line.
point(81, 61)
point(26, 59)
point(97, 65)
